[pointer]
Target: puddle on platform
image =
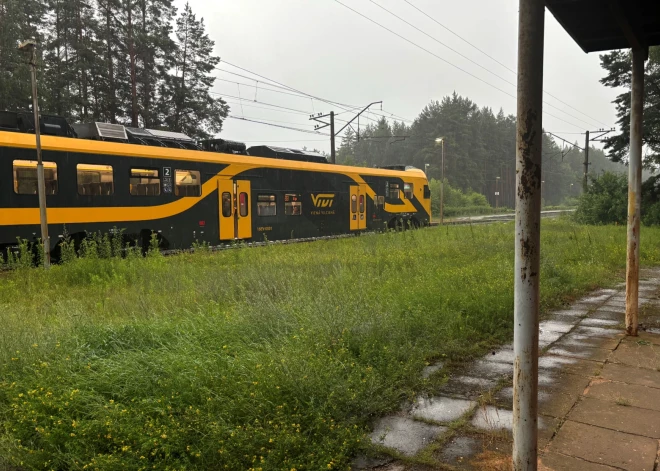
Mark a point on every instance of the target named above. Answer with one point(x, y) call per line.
point(404, 435)
point(441, 409)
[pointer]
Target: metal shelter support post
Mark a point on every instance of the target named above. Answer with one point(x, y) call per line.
point(634, 189)
point(528, 234)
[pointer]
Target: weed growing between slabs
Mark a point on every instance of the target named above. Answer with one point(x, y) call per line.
point(262, 358)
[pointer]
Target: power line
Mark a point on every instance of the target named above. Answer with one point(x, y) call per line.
point(458, 36)
point(445, 60)
point(309, 131)
point(492, 58)
point(467, 58)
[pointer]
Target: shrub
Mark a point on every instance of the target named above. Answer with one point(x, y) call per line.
point(605, 201)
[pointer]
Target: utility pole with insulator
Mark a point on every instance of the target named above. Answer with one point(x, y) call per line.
point(586, 162)
point(318, 117)
point(30, 47)
point(333, 154)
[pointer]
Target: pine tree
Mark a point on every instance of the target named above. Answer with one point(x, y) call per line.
point(154, 45)
point(191, 109)
point(19, 20)
point(618, 65)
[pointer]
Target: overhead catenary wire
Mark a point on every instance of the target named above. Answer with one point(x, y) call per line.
point(445, 60)
point(460, 54)
point(309, 131)
point(495, 60)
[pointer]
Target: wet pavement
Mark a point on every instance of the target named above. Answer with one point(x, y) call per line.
point(599, 398)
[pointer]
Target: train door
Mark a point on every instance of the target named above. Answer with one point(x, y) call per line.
point(235, 215)
point(358, 207)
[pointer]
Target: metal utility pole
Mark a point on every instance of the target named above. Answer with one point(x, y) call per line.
point(441, 140)
point(30, 46)
point(497, 192)
point(634, 188)
point(333, 155)
point(585, 181)
point(334, 134)
point(586, 162)
point(529, 137)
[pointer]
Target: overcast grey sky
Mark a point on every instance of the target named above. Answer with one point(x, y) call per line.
point(324, 49)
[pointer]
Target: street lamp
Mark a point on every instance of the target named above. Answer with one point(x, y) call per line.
point(30, 47)
point(441, 141)
point(542, 182)
point(426, 169)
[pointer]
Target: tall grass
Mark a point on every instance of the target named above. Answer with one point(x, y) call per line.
point(265, 358)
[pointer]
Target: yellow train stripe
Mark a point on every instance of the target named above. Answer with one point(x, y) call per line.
point(79, 215)
point(405, 207)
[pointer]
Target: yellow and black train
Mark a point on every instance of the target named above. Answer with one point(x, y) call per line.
point(104, 176)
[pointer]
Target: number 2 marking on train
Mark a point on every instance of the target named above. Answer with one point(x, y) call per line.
point(167, 171)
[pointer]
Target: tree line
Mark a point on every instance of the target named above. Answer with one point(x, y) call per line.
point(135, 62)
point(479, 149)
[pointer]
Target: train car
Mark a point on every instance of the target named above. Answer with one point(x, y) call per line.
point(102, 177)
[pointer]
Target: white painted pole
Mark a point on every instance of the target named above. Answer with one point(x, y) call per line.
point(528, 231)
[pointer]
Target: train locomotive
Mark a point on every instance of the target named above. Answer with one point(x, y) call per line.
point(102, 177)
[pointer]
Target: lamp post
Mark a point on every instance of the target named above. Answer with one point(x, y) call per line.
point(426, 169)
point(441, 141)
point(542, 202)
point(497, 192)
point(30, 47)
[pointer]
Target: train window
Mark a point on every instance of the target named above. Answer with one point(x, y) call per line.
point(145, 182)
point(187, 183)
point(266, 205)
point(95, 180)
point(353, 204)
point(243, 204)
point(361, 203)
point(25, 177)
point(292, 205)
point(408, 190)
point(226, 204)
point(427, 192)
point(394, 191)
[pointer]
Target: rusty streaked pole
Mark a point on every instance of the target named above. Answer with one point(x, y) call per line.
point(528, 234)
point(634, 189)
point(30, 46)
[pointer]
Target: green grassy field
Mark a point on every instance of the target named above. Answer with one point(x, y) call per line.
point(272, 358)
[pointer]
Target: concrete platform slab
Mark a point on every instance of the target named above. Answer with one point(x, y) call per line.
point(441, 409)
point(640, 353)
point(610, 314)
point(557, 462)
point(562, 395)
point(596, 322)
point(570, 365)
point(581, 340)
point(556, 326)
point(404, 435)
point(503, 355)
point(652, 336)
point(598, 445)
point(631, 375)
point(623, 393)
point(616, 417)
point(597, 331)
point(584, 352)
point(492, 418)
point(573, 312)
point(596, 298)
